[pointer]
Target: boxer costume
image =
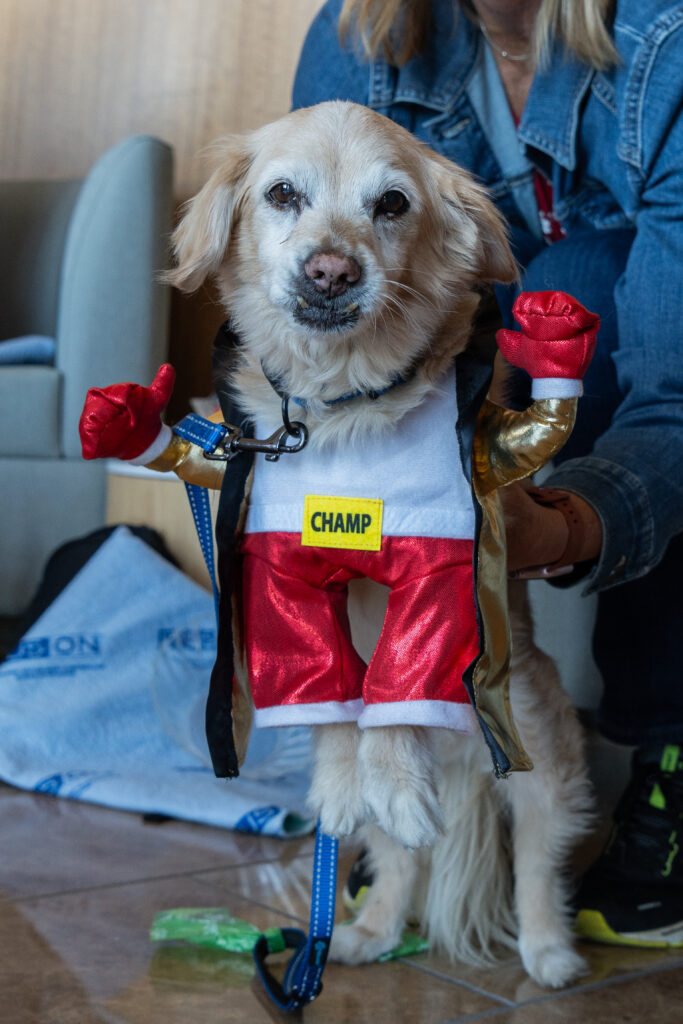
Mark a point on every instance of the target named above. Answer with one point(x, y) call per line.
point(395, 508)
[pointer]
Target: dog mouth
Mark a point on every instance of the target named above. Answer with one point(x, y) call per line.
point(326, 314)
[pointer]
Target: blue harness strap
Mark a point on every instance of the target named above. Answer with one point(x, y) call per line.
point(203, 432)
point(207, 435)
point(303, 978)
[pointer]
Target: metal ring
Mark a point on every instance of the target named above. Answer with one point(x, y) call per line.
point(293, 429)
point(299, 432)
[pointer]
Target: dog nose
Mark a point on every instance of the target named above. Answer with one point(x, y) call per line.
point(331, 272)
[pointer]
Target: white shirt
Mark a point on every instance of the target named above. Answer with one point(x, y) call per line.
point(415, 470)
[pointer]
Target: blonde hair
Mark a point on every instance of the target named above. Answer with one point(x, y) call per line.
point(398, 29)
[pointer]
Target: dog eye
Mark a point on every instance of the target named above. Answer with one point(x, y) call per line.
point(392, 204)
point(283, 194)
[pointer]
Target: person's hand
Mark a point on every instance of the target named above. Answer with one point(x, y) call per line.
point(536, 535)
point(557, 339)
point(123, 420)
point(548, 531)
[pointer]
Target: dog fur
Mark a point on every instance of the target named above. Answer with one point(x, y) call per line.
point(399, 240)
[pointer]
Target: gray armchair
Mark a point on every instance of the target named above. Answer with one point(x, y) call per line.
point(79, 262)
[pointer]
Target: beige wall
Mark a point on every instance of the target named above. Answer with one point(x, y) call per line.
point(78, 75)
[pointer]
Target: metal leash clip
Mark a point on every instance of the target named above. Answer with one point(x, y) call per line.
point(275, 445)
point(233, 440)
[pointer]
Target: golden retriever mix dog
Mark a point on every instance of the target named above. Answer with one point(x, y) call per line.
point(349, 256)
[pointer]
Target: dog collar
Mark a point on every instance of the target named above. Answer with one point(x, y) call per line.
point(372, 395)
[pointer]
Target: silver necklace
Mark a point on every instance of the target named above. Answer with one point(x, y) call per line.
point(517, 57)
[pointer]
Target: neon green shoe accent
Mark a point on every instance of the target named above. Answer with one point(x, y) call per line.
point(669, 762)
point(657, 798)
point(590, 924)
point(673, 853)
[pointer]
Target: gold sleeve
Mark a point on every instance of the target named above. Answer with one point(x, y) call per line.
point(509, 445)
point(187, 461)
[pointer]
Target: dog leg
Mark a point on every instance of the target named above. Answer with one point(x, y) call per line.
point(335, 794)
point(468, 913)
point(379, 926)
point(551, 807)
point(398, 783)
point(541, 828)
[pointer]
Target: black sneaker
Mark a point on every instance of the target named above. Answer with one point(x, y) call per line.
point(358, 883)
point(633, 894)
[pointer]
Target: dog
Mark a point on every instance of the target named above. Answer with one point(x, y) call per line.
point(349, 258)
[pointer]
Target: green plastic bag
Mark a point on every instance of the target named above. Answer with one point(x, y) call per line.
point(215, 927)
point(411, 943)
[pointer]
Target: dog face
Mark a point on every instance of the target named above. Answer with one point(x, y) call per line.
point(340, 244)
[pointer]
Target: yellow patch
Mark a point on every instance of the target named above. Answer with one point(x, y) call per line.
point(342, 523)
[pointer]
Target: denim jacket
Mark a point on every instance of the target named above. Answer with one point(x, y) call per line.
point(611, 143)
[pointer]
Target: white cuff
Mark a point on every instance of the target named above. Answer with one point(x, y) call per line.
point(322, 713)
point(159, 445)
point(556, 387)
point(442, 714)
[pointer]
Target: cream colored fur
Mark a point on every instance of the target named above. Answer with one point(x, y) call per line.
point(418, 290)
point(499, 875)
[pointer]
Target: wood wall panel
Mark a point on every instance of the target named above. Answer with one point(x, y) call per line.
point(76, 76)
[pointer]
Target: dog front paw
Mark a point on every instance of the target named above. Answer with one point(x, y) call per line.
point(341, 818)
point(408, 813)
point(341, 810)
point(335, 793)
point(398, 785)
point(554, 965)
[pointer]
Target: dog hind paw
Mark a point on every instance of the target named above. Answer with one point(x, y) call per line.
point(353, 944)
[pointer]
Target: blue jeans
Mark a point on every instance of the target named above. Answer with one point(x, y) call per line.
point(636, 637)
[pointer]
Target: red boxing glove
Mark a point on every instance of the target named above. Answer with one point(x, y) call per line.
point(557, 339)
point(122, 421)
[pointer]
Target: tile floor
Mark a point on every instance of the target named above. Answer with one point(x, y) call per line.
point(79, 887)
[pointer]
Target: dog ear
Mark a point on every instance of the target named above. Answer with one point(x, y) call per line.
point(475, 229)
point(201, 240)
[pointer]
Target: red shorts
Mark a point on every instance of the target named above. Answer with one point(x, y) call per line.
point(302, 664)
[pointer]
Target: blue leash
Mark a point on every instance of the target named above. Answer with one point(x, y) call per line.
point(303, 978)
